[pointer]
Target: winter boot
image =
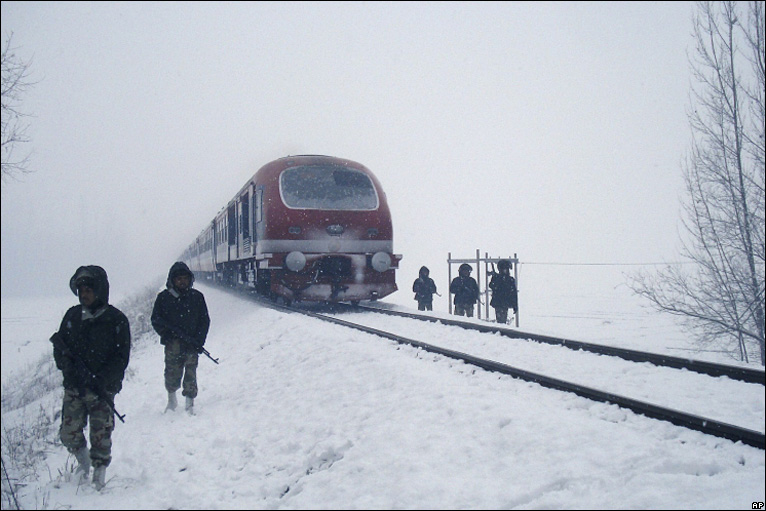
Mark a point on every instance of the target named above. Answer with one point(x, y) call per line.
point(172, 401)
point(190, 405)
point(83, 463)
point(99, 477)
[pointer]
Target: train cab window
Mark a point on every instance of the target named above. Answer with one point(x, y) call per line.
point(327, 187)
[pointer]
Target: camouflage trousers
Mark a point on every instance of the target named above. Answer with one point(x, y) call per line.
point(501, 314)
point(180, 363)
point(75, 413)
point(464, 310)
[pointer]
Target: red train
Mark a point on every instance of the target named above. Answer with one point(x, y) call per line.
point(303, 228)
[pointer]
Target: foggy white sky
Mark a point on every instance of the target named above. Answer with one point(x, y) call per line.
point(551, 130)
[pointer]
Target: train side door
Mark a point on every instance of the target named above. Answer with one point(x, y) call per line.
point(214, 244)
point(244, 215)
point(239, 227)
point(258, 213)
point(232, 231)
point(251, 217)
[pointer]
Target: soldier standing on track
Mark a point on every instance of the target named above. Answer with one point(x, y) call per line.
point(466, 291)
point(424, 288)
point(504, 294)
point(181, 319)
point(92, 350)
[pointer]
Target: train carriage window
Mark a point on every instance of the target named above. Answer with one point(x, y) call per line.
point(327, 187)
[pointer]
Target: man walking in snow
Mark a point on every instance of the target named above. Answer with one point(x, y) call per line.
point(181, 319)
point(92, 349)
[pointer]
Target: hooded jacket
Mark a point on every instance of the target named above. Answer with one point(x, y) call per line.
point(98, 335)
point(181, 315)
point(504, 294)
point(424, 287)
point(464, 287)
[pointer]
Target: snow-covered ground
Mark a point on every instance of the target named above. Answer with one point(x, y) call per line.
point(304, 414)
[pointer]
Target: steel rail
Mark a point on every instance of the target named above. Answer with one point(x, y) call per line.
point(676, 417)
point(689, 421)
point(744, 374)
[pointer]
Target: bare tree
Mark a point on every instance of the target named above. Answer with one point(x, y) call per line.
point(722, 298)
point(15, 83)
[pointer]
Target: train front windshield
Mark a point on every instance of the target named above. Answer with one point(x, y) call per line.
point(327, 187)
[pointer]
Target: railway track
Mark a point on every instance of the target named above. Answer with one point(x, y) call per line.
point(744, 374)
point(692, 421)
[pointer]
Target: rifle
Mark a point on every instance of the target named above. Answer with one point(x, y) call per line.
point(184, 337)
point(59, 341)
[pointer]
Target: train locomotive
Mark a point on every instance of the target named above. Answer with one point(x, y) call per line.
point(303, 228)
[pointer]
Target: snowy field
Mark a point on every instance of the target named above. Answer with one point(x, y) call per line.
point(302, 414)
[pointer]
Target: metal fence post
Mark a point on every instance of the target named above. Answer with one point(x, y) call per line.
point(478, 281)
point(449, 281)
point(516, 276)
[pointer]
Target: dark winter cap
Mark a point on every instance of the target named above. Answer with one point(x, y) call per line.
point(94, 277)
point(178, 268)
point(85, 280)
point(83, 276)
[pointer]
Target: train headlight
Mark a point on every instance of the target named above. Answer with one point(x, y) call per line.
point(381, 261)
point(295, 261)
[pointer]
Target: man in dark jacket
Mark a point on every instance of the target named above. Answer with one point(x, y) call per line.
point(181, 319)
point(92, 349)
point(504, 294)
point(424, 288)
point(466, 291)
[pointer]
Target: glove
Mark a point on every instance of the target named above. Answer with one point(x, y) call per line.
point(200, 349)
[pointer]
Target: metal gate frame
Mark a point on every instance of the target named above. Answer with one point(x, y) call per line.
point(483, 292)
